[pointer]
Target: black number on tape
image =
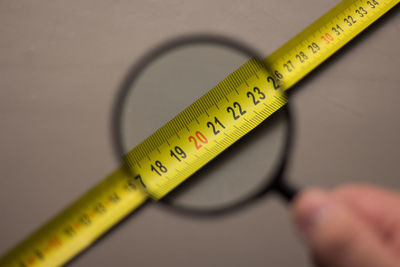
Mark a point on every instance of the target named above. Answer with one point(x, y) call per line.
point(160, 168)
point(237, 106)
point(211, 125)
point(178, 153)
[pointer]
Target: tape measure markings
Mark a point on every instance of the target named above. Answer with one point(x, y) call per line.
point(80, 224)
point(317, 46)
point(98, 210)
point(196, 145)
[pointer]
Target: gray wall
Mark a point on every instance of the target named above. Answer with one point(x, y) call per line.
point(61, 63)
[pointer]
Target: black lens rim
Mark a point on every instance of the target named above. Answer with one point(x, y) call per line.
point(136, 70)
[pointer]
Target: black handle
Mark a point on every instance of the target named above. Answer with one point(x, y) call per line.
point(286, 191)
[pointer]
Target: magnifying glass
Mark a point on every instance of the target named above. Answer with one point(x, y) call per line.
point(171, 77)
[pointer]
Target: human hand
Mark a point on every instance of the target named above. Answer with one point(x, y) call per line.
point(351, 226)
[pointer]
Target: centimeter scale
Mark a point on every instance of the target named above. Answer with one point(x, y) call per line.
point(195, 136)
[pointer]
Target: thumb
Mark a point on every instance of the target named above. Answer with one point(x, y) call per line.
point(336, 236)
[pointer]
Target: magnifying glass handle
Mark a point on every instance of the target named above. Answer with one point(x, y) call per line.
point(286, 191)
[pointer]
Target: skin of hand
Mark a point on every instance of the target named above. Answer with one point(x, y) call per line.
point(350, 226)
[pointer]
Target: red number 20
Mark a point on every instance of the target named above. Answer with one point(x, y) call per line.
point(200, 137)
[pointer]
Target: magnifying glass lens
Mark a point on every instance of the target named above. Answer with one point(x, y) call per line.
point(172, 78)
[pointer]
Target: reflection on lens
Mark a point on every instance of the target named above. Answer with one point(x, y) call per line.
point(168, 83)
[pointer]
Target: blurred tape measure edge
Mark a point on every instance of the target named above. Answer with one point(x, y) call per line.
point(120, 193)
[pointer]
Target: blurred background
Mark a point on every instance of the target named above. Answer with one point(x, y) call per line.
point(62, 62)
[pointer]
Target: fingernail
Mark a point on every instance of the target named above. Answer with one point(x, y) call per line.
point(311, 209)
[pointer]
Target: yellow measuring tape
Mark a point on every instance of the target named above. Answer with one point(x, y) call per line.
point(194, 137)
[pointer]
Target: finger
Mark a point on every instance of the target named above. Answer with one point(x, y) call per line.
point(335, 235)
point(378, 207)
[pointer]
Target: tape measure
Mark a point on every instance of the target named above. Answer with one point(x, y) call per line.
point(194, 137)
